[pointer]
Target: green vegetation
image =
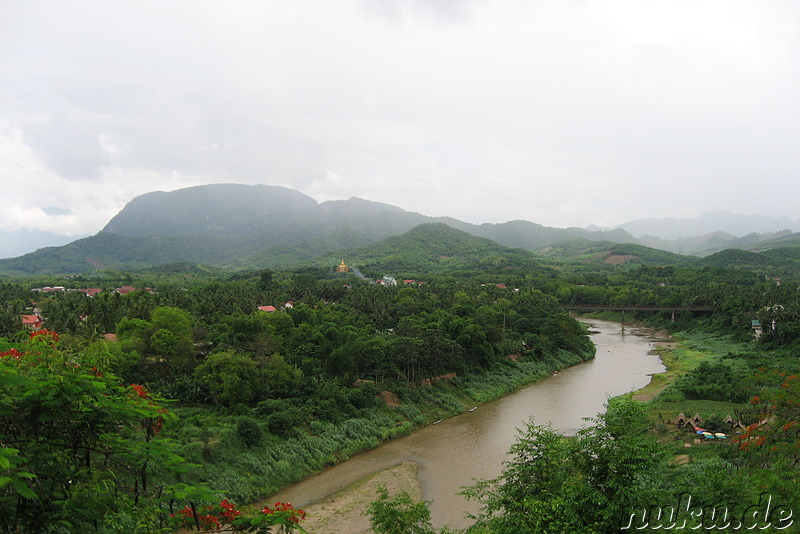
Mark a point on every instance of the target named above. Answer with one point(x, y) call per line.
point(258, 399)
point(585, 251)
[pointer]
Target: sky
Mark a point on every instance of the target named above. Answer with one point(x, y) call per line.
point(559, 112)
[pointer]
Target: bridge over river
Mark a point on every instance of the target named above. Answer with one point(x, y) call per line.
point(633, 308)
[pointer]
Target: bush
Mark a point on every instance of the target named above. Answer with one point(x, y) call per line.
point(249, 432)
point(282, 423)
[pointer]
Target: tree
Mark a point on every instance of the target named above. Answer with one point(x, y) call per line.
point(177, 345)
point(771, 447)
point(399, 515)
point(265, 281)
point(9, 323)
point(77, 447)
point(581, 484)
point(80, 452)
point(230, 378)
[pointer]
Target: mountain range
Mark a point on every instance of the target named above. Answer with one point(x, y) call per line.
point(713, 222)
point(235, 226)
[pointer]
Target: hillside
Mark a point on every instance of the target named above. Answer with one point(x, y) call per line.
point(218, 209)
point(532, 236)
point(435, 248)
point(238, 227)
point(610, 253)
point(777, 262)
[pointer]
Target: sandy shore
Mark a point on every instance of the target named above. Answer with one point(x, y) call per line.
point(343, 512)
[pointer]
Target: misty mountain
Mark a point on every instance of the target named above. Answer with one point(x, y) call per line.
point(709, 223)
point(237, 227)
point(532, 236)
point(244, 226)
point(218, 209)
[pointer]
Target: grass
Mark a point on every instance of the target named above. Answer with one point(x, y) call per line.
point(678, 360)
point(664, 401)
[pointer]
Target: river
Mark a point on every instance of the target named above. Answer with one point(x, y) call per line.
point(474, 445)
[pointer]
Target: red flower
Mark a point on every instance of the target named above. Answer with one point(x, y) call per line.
point(14, 353)
point(140, 390)
point(45, 334)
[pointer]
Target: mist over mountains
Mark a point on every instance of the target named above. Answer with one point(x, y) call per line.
point(717, 221)
point(235, 226)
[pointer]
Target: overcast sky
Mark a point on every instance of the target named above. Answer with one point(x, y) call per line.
point(560, 112)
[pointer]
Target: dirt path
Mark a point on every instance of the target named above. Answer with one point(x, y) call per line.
point(343, 512)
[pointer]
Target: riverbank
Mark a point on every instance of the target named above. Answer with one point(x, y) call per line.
point(344, 512)
point(664, 346)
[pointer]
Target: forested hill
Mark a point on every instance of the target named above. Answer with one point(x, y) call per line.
point(607, 252)
point(777, 262)
point(437, 248)
point(220, 209)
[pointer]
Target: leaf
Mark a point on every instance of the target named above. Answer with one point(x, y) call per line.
point(23, 490)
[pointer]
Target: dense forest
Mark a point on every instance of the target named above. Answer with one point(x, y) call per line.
point(149, 400)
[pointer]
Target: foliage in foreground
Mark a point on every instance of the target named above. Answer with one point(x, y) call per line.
point(616, 476)
point(82, 452)
point(557, 484)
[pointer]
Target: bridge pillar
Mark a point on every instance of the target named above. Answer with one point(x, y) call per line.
point(673, 316)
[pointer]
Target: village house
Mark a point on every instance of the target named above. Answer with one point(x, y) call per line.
point(32, 322)
point(757, 328)
point(48, 289)
point(124, 290)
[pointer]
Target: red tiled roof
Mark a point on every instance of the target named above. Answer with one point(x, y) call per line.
point(31, 319)
point(268, 308)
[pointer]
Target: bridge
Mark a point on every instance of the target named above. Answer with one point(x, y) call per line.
point(636, 307)
point(632, 308)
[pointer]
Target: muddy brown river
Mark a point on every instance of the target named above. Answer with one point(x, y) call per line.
point(474, 445)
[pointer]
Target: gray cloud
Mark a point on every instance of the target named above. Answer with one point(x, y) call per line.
point(563, 113)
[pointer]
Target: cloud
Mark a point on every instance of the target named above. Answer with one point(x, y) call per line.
point(36, 198)
point(563, 113)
